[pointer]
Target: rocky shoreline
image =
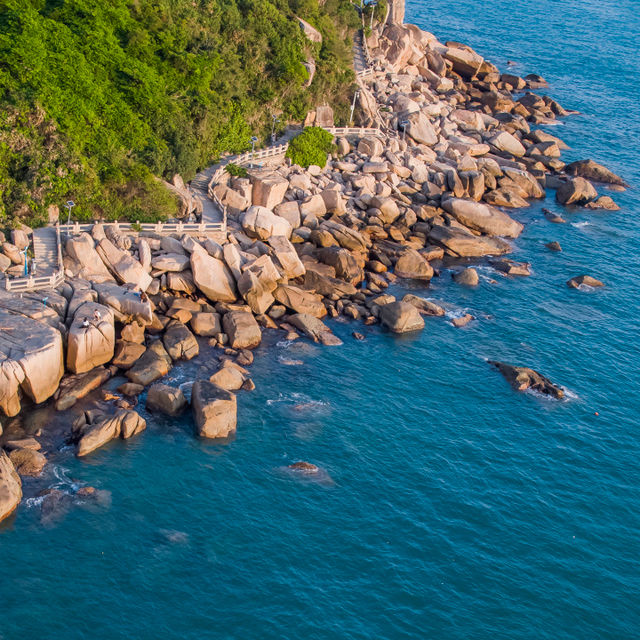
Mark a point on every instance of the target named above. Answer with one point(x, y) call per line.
point(456, 150)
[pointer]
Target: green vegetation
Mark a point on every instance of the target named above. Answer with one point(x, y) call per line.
point(310, 147)
point(236, 170)
point(100, 99)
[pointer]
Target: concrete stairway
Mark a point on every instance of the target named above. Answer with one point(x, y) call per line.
point(45, 250)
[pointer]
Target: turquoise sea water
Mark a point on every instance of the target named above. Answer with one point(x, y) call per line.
point(450, 506)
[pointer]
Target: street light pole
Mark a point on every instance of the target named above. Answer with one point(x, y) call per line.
point(273, 128)
point(353, 106)
point(404, 124)
point(70, 204)
point(373, 5)
point(253, 141)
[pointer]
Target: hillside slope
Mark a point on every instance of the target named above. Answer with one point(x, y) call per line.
point(98, 98)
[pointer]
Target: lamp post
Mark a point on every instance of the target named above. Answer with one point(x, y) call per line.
point(273, 128)
point(353, 106)
point(69, 205)
point(373, 6)
point(26, 261)
point(253, 141)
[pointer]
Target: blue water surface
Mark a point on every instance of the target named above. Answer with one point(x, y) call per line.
point(450, 506)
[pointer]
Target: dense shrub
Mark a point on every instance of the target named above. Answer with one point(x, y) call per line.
point(236, 170)
point(310, 147)
point(97, 98)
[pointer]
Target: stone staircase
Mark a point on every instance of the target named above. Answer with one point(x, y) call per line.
point(45, 250)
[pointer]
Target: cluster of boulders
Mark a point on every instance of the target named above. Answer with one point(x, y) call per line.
point(12, 255)
point(455, 148)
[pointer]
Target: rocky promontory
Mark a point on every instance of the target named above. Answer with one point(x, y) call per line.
point(450, 149)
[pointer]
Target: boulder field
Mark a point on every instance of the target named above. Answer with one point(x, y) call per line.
point(455, 152)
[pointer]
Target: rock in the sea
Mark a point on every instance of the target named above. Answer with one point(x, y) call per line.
point(523, 378)
point(462, 321)
point(242, 329)
point(31, 361)
point(300, 301)
point(214, 410)
point(304, 467)
point(99, 429)
point(205, 323)
point(28, 462)
point(166, 399)
point(424, 306)
point(91, 338)
point(593, 171)
point(575, 282)
point(230, 377)
point(10, 486)
point(482, 217)
point(511, 267)
point(401, 317)
point(603, 202)
point(553, 246)
point(576, 191)
point(314, 329)
point(467, 277)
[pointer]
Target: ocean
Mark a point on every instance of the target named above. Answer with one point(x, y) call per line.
point(448, 506)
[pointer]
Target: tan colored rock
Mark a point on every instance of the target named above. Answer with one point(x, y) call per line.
point(170, 262)
point(324, 116)
point(290, 211)
point(313, 206)
point(421, 130)
point(269, 188)
point(300, 301)
point(204, 323)
point(213, 277)
point(401, 317)
point(28, 462)
point(424, 306)
point(122, 265)
point(286, 256)
point(576, 191)
point(126, 354)
point(82, 249)
point(91, 338)
point(75, 387)
point(165, 399)
point(153, 364)
point(242, 329)
point(468, 277)
point(179, 342)
point(314, 329)
point(214, 410)
point(123, 423)
point(10, 487)
point(577, 281)
point(370, 146)
point(261, 223)
point(31, 361)
point(458, 242)
point(504, 141)
point(482, 217)
point(412, 265)
point(228, 378)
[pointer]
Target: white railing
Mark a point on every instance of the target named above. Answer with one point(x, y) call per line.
point(162, 228)
point(30, 283)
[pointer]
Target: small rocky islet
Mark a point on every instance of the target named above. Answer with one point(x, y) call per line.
point(450, 146)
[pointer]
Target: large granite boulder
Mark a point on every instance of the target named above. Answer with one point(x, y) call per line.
point(213, 277)
point(179, 342)
point(505, 141)
point(10, 487)
point(205, 323)
point(31, 361)
point(242, 329)
point(91, 338)
point(74, 387)
point(576, 191)
point(170, 262)
point(82, 249)
point(412, 265)
point(97, 429)
point(261, 223)
point(166, 399)
point(257, 283)
point(401, 317)
point(269, 188)
point(343, 262)
point(314, 329)
point(125, 268)
point(284, 252)
point(482, 217)
point(300, 301)
point(326, 286)
point(27, 462)
point(214, 410)
point(593, 171)
point(128, 305)
point(458, 242)
point(154, 363)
